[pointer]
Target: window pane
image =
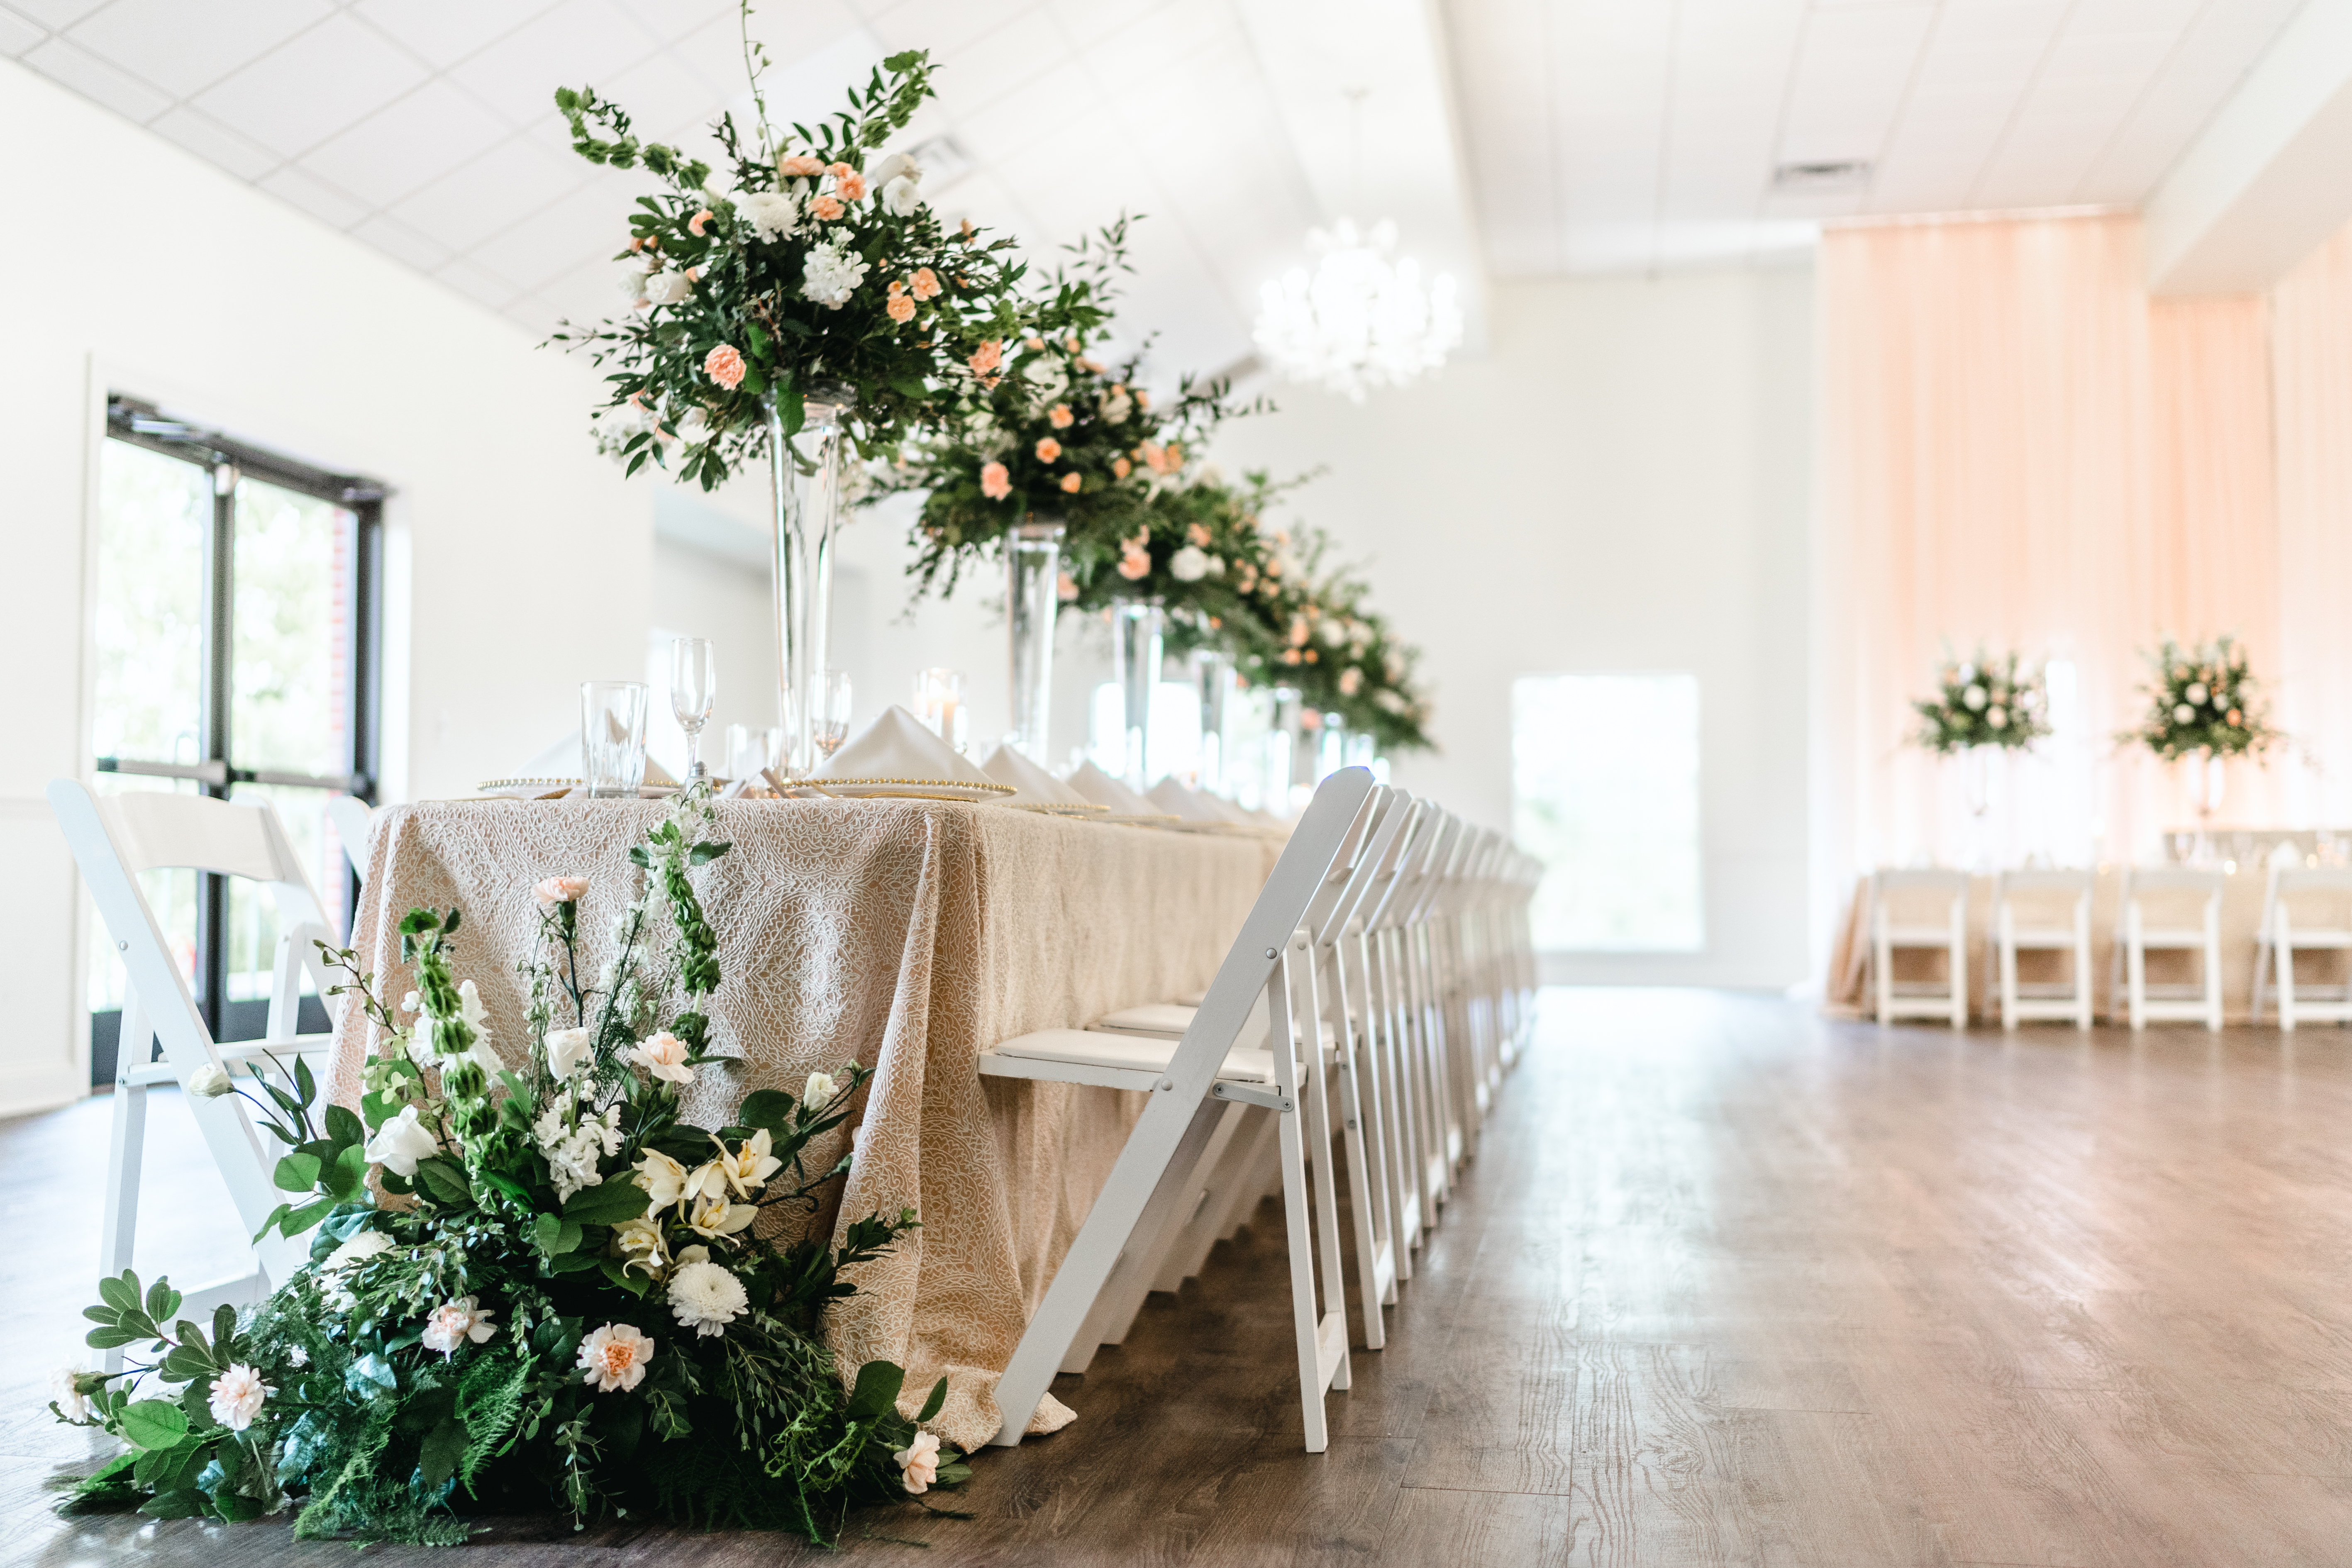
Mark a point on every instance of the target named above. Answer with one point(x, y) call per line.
point(291, 677)
point(170, 894)
point(154, 515)
point(1605, 793)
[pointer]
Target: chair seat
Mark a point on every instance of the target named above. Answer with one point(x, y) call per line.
point(2172, 936)
point(1134, 1053)
point(2043, 936)
point(232, 1054)
point(1167, 1019)
point(1919, 936)
point(2317, 937)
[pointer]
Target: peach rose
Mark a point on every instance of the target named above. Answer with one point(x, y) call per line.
point(995, 481)
point(987, 359)
point(1065, 588)
point(1048, 449)
point(901, 307)
point(1060, 417)
point(1070, 483)
point(1352, 680)
point(562, 889)
point(799, 166)
point(1034, 343)
point(848, 182)
point(1175, 454)
point(664, 1056)
point(825, 207)
point(724, 364)
point(1134, 566)
point(694, 224)
point(1154, 456)
point(1121, 467)
point(1199, 534)
point(919, 1462)
point(925, 284)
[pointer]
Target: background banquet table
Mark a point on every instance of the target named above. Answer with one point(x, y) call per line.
point(908, 936)
point(2241, 915)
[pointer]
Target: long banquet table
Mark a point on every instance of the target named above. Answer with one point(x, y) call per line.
point(908, 936)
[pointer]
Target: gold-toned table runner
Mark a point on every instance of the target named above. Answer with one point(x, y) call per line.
point(906, 935)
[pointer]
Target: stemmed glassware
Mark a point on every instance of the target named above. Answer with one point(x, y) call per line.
point(752, 751)
point(693, 689)
point(830, 727)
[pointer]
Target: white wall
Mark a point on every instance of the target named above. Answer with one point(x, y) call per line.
point(1621, 484)
point(518, 557)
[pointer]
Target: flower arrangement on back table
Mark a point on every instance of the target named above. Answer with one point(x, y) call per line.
point(1983, 702)
point(530, 1287)
point(1060, 436)
point(816, 271)
point(2204, 698)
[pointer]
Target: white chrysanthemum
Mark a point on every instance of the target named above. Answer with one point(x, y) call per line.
point(67, 1386)
point(706, 1297)
point(1189, 564)
point(830, 273)
point(237, 1395)
point(772, 214)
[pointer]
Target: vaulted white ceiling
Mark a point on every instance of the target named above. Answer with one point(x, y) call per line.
point(1551, 135)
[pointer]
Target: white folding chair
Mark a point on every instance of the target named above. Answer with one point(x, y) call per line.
point(2283, 933)
point(2136, 937)
point(113, 840)
point(1920, 999)
point(354, 820)
point(2040, 890)
point(1189, 1081)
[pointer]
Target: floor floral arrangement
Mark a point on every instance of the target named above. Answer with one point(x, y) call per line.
point(530, 1288)
point(1983, 702)
point(2204, 700)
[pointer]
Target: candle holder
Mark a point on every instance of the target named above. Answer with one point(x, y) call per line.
point(940, 704)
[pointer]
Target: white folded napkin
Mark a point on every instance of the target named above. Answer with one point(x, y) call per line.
point(1179, 801)
point(1036, 786)
point(897, 745)
point(1102, 789)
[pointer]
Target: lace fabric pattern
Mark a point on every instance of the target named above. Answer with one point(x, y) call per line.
point(906, 935)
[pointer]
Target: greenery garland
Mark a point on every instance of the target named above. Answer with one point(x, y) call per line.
point(529, 1289)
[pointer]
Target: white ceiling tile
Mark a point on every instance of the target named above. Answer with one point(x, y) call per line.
point(407, 143)
point(18, 33)
point(56, 13)
point(943, 26)
point(208, 138)
point(337, 209)
point(816, 85)
point(1090, 23)
point(591, 225)
point(773, 24)
point(93, 77)
point(477, 284)
point(581, 43)
point(443, 32)
point(402, 243)
point(659, 92)
point(714, 51)
point(312, 86)
point(1015, 125)
point(477, 200)
point(1004, 62)
point(183, 48)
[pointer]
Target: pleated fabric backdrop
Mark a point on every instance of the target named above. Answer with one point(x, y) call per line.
point(2021, 446)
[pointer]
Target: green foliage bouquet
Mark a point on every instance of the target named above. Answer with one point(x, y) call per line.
point(2204, 698)
point(1983, 702)
point(820, 270)
point(529, 1288)
point(1060, 437)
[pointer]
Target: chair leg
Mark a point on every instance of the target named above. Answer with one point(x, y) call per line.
point(2007, 974)
point(2285, 940)
point(119, 1219)
point(2136, 975)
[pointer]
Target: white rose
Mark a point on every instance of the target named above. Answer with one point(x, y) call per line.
point(772, 214)
point(1117, 407)
point(632, 286)
point(400, 1142)
point(669, 288)
point(820, 1090)
point(2197, 693)
point(830, 273)
point(209, 1081)
point(1189, 564)
point(903, 196)
point(1974, 696)
point(566, 1050)
point(892, 166)
point(2183, 714)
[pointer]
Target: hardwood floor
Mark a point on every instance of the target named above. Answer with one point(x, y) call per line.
point(1723, 1284)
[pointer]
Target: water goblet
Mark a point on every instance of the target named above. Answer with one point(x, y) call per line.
point(693, 689)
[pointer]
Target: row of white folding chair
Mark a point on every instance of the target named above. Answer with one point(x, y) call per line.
point(2283, 933)
point(114, 838)
point(1393, 866)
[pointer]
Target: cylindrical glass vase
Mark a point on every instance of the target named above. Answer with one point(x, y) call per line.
point(1032, 577)
point(1136, 629)
point(805, 470)
point(1214, 673)
point(1286, 744)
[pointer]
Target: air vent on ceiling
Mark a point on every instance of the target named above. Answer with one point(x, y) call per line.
point(943, 161)
point(1844, 174)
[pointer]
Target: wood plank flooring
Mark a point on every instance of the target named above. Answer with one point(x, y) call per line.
point(1725, 1283)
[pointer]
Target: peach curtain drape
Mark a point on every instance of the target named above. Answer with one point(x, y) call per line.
point(2312, 356)
point(2020, 448)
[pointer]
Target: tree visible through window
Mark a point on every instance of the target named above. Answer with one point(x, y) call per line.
point(1604, 792)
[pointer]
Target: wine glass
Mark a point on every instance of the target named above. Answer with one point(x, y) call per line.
point(832, 726)
point(693, 689)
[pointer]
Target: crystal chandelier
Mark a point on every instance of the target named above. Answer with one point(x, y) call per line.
point(1361, 320)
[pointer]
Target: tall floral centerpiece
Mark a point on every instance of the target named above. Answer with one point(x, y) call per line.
point(1983, 708)
point(532, 1286)
point(813, 306)
point(1046, 463)
point(2205, 707)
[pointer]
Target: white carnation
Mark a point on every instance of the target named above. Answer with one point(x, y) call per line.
point(1189, 564)
point(669, 288)
point(706, 1297)
point(772, 214)
point(237, 1396)
point(830, 273)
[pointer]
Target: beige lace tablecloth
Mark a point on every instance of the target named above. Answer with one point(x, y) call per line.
point(906, 935)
